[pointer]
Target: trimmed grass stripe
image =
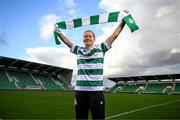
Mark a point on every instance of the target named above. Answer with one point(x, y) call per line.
point(60, 105)
point(140, 109)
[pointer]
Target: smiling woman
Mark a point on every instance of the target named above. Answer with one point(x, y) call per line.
point(89, 90)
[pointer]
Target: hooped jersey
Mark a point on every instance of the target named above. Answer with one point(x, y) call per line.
point(90, 67)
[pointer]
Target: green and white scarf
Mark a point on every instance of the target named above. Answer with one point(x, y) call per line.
point(97, 19)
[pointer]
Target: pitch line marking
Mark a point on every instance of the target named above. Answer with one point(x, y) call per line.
point(132, 111)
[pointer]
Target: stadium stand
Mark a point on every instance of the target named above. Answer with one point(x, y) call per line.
point(23, 79)
point(130, 88)
point(177, 88)
point(168, 84)
point(114, 88)
point(47, 82)
point(155, 88)
point(5, 83)
point(59, 81)
point(21, 74)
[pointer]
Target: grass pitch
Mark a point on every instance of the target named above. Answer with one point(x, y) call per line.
point(60, 105)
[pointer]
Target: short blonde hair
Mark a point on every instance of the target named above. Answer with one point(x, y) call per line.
point(91, 32)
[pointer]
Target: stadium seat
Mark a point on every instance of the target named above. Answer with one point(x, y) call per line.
point(4, 81)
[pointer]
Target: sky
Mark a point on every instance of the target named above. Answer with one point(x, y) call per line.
point(26, 32)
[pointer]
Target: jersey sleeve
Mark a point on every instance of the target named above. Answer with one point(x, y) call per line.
point(74, 49)
point(105, 46)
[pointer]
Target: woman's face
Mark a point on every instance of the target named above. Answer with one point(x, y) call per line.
point(89, 38)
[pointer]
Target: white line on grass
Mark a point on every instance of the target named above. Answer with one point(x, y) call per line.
point(152, 106)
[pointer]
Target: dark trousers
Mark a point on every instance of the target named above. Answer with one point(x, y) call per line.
point(89, 100)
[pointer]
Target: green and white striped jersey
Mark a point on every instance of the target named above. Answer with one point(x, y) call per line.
point(90, 67)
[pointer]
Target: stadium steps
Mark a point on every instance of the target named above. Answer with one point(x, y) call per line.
point(119, 88)
point(33, 78)
point(41, 84)
point(130, 88)
point(47, 82)
point(4, 81)
point(65, 84)
point(56, 82)
point(61, 81)
point(15, 82)
point(140, 88)
point(177, 88)
point(113, 89)
point(155, 88)
point(53, 80)
point(23, 79)
point(9, 78)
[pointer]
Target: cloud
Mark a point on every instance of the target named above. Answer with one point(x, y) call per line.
point(51, 55)
point(69, 3)
point(175, 51)
point(165, 10)
point(154, 48)
point(3, 39)
point(46, 25)
point(70, 7)
point(47, 21)
point(72, 12)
